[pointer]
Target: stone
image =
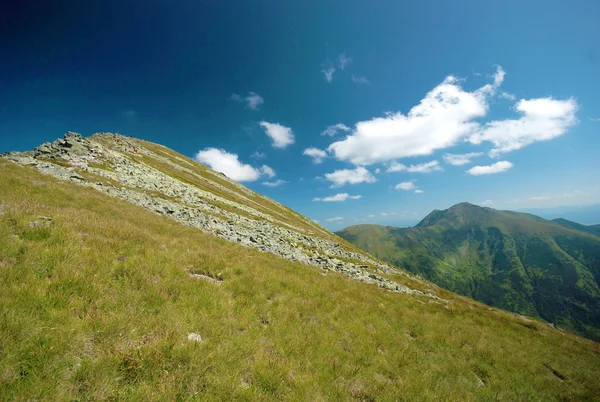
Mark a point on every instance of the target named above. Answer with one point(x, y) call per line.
point(194, 337)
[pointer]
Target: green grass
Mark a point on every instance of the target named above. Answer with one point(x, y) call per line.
point(98, 306)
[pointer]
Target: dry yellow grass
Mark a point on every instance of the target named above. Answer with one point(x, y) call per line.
point(98, 303)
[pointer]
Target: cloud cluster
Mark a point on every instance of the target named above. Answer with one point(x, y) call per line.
point(334, 129)
point(408, 186)
point(252, 100)
point(448, 115)
point(281, 136)
point(229, 164)
point(427, 167)
point(350, 176)
point(275, 183)
point(316, 154)
point(339, 198)
point(460, 159)
point(497, 167)
point(541, 119)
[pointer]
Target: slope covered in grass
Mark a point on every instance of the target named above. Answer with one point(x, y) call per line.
point(506, 259)
point(97, 302)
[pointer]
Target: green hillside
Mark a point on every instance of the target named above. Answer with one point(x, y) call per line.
point(516, 261)
point(113, 291)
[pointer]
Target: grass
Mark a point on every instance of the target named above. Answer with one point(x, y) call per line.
point(98, 305)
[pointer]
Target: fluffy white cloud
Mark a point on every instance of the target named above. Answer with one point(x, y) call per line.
point(448, 115)
point(350, 176)
point(384, 214)
point(267, 171)
point(377, 171)
point(359, 79)
point(487, 202)
point(252, 100)
point(275, 183)
point(334, 129)
point(427, 167)
point(282, 136)
point(497, 167)
point(419, 191)
point(229, 164)
point(339, 198)
point(371, 216)
point(441, 119)
point(461, 159)
point(395, 167)
point(344, 61)
point(337, 218)
point(317, 154)
point(258, 155)
point(328, 73)
point(406, 186)
point(542, 119)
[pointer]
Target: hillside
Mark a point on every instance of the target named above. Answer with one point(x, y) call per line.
point(515, 261)
point(130, 272)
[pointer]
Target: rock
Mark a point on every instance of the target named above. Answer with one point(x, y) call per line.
point(194, 337)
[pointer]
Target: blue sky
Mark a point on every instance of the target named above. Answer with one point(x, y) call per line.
point(250, 89)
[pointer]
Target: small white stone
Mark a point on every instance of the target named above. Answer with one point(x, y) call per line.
point(193, 337)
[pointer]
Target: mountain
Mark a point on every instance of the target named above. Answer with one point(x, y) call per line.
point(593, 229)
point(515, 261)
point(131, 272)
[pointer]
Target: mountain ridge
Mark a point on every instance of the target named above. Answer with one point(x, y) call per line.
point(128, 273)
point(465, 247)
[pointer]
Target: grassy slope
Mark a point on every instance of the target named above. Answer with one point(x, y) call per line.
point(95, 307)
point(511, 260)
point(593, 229)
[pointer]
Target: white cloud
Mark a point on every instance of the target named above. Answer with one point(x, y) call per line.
point(339, 198)
point(442, 118)
point(328, 73)
point(350, 176)
point(508, 96)
point(461, 159)
point(542, 119)
point(384, 214)
point(371, 216)
point(427, 167)
point(419, 191)
point(282, 136)
point(343, 61)
point(252, 100)
point(377, 171)
point(224, 162)
point(487, 202)
point(337, 218)
point(258, 155)
point(447, 115)
point(267, 171)
point(406, 186)
point(317, 154)
point(395, 167)
point(359, 79)
point(334, 129)
point(497, 167)
point(316, 221)
point(275, 183)
point(592, 119)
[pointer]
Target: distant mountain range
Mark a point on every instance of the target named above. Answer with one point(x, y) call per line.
point(516, 261)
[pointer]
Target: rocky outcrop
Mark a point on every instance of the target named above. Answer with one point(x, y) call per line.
point(107, 165)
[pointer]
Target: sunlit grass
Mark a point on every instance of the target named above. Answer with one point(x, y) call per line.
point(98, 304)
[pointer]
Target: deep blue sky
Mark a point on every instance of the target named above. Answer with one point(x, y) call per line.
point(165, 71)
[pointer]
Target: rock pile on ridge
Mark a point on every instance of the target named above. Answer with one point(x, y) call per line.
point(116, 165)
